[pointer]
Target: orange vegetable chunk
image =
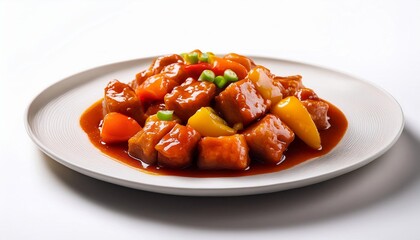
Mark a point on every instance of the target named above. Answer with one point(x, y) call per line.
point(294, 114)
point(117, 127)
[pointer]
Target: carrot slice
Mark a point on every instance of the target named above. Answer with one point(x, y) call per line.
point(221, 64)
point(117, 127)
point(244, 61)
point(155, 88)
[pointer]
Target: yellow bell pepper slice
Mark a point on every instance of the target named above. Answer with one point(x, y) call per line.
point(294, 114)
point(209, 124)
point(264, 84)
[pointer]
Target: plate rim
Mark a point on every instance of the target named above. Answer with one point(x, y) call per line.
point(205, 191)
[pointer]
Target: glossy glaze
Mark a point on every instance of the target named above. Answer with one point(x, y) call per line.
point(297, 152)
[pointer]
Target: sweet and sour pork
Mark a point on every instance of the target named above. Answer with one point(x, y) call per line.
point(163, 97)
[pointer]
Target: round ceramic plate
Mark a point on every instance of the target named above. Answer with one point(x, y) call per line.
point(375, 121)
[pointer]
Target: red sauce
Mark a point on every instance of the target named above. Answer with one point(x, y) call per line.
point(297, 153)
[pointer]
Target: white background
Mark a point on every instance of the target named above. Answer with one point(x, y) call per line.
point(42, 42)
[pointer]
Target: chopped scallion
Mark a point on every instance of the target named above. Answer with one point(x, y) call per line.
point(230, 75)
point(204, 57)
point(220, 81)
point(165, 115)
point(184, 56)
point(192, 58)
point(207, 75)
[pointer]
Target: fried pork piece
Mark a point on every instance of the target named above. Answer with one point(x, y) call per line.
point(291, 84)
point(120, 97)
point(190, 96)
point(154, 108)
point(176, 148)
point(268, 139)
point(317, 108)
point(176, 72)
point(142, 145)
point(240, 103)
point(225, 152)
point(306, 94)
point(155, 68)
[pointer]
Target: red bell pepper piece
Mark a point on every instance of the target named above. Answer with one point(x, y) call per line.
point(194, 70)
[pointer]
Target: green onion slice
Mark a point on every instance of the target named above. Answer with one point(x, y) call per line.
point(192, 58)
point(207, 75)
point(165, 115)
point(230, 75)
point(220, 81)
point(184, 56)
point(204, 57)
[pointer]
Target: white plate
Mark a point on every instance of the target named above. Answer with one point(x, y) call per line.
point(375, 121)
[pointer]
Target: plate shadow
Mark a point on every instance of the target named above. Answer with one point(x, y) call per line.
point(387, 176)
